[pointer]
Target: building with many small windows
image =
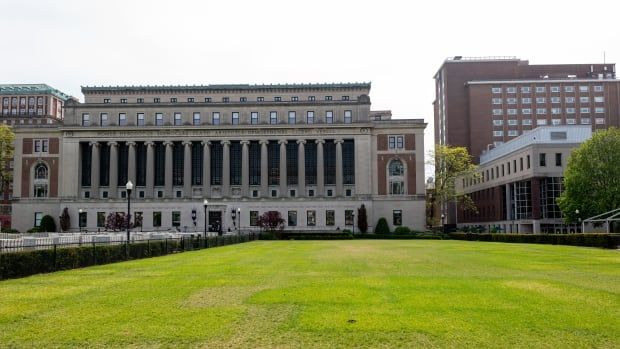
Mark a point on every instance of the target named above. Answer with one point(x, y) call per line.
point(27, 105)
point(313, 152)
point(519, 181)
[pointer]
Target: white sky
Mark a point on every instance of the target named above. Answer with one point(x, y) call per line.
point(396, 45)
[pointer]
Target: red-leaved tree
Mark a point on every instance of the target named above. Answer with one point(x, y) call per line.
point(272, 222)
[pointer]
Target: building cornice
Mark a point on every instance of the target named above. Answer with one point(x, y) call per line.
point(224, 88)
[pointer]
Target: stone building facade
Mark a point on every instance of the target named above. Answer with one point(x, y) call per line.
point(313, 152)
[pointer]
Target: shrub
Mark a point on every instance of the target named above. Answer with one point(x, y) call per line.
point(590, 240)
point(382, 226)
point(402, 231)
point(47, 224)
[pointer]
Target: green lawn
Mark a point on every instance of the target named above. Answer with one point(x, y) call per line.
point(327, 294)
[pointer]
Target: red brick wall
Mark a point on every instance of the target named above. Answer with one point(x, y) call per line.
point(382, 142)
point(27, 146)
point(410, 141)
point(53, 146)
point(27, 166)
point(382, 163)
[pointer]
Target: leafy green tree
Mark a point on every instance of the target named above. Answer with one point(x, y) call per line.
point(47, 224)
point(451, 163)
point(382, 226)
point(592, 177)
point(6, 155)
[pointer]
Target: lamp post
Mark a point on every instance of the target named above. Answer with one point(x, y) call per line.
point(443, 226)
point(204, 204)
point(239, 217)
point(80, 211)
point(580, 223)
point(129, 188)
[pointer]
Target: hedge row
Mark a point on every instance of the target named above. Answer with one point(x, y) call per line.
point(25, 263)
point(589, 240)
point(427, 236)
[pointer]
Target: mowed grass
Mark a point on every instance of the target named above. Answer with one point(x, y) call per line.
point(328, 294)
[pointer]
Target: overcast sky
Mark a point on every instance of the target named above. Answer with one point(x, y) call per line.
point(396, 45)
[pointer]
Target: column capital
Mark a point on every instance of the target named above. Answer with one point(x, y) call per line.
point(207, 143)
point(319, 141)
point(131, 144)
point(245, 142)
point(338, 141)
point(94, 143)
point(282, 141)
point(226, 142)
point(149, 143)
point(301, 141)
point(113, 143)
point(187, 143)
point(264, 141)
point(168, 143)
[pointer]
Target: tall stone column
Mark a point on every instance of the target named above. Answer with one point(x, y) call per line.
point(301, 168)
point(264, 169)
point(245, 168)
point(320, 172)
point(94, 172)
point(206, 168)
point(168, 170)
point(187, 169)
point(226, 169)
point(131, 163)
point(150, 169)
point(283, 181)
point(113, 170)
point(339, 179)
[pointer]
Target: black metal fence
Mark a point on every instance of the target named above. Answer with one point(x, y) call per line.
point(74, 255)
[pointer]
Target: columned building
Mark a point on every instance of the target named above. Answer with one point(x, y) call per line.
point(314, 152)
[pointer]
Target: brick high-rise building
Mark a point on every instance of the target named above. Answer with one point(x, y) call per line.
point(483, 102)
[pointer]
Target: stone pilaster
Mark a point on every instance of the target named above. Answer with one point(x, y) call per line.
point(206, 168)
point(245, 169)
point(226, 169)
point(264, 169)
point(320, 165)
point(187, 169)
point(168, 173)
point(131, 163)
point(339, 179)
point(150, 169)
point(283, 181)
point(94, 173)
point(113, 170)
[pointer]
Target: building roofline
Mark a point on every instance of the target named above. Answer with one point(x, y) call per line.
point(534, 81)
point(465, 59)
point(226, 87)
point(30, 89)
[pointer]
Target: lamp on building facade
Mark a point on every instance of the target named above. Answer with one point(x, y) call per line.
point(443, 226)
point(579, 218)
point(80, 221)
point(239, 217)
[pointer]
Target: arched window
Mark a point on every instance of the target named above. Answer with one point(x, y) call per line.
point(41, 180)
point(396, 177)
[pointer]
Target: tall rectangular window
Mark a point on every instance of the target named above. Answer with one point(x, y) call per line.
point(291, 162)
point(311, 218)
point(397, 217)
point(348, 161)
point(160, 163)
point(254, 118)
point(330, 218)
point(235, 118)
point(292, 218)
point(273, 118)
point(178, 121)
point(310, 117)
point(100, 219)
point(392, 142)
point(140, 119)
point(196, 119)
point(176, 218)
point(311, 165)
point(122, 119)
point(253, 218)
point(157, 219)
point(159, 119)
point(329, 117)
point(543, 159)
point(103, 119)
point(348, 217)
point(235, 163)
point(123, 154)
point(292, 117)
point(216, 163)
point(273, 163)
point(216, 118)
point(178, 160)
point(348, 116)
point(255, 160)
point(104, 165)
point(197, 159)
point(140, 164)
point(85, 119)
point(558, 159)
point(37, 218)
point(86, 153)
point(329, 160)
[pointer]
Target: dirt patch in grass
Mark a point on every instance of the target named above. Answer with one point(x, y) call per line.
point(221, 296)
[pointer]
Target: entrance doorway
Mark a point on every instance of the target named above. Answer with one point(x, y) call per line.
point(215, 221)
